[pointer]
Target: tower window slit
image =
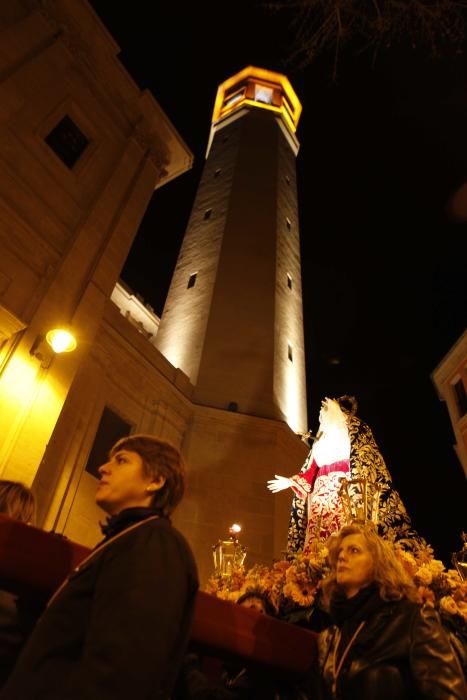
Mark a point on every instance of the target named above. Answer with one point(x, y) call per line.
point(289, 281)
point(192, 280)
point(217, 172)
point(461, 397)
point(290, 352)
point(288, 222)
point(207, 214)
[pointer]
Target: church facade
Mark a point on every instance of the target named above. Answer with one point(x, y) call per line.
point(82, 151)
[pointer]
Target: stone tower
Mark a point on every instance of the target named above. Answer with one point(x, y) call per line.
point(233, 321)
point(233, 317)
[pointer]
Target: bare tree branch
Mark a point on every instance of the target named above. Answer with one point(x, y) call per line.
point(332, 25)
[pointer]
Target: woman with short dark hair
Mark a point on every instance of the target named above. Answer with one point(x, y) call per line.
point(119, 625)
point(160, 459)
point(383, 645)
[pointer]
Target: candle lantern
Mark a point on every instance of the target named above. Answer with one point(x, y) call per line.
point(228, 554)
point(360, 501)
point(459, 559)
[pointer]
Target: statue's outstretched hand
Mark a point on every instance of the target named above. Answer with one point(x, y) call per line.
point(279, 483)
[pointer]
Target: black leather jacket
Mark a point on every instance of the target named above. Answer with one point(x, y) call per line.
point(400, 637)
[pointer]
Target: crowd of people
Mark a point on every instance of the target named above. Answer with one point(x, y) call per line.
point(120, 624)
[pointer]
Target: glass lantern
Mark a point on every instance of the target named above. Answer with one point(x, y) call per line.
point(459, 559)
point(228, 554)
point(360, 501)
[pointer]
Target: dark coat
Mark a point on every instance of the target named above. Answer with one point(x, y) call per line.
point(11, 636)
point(119, 627)
point(402, 644)
point(18, 616)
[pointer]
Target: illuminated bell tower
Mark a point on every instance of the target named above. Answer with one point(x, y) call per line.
point(233, 317)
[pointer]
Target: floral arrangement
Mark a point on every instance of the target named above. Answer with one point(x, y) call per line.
point(290, 584)
point(437, 586)
point(293, 584)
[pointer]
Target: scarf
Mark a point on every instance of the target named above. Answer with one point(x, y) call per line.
point(123, 520)
point(348, 613)
point(343, 609)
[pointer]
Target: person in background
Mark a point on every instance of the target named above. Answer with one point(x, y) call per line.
point(119, 625)
point(16, 617)
point(257, 600)
point(16, 501)
point(382, 645)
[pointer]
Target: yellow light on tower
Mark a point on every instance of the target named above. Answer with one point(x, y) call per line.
point(258, 88)
point(61, 340)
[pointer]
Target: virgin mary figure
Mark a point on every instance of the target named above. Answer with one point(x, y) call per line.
point(343, 449)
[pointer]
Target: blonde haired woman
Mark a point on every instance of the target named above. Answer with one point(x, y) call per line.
point(16, 501)
point(383, 644)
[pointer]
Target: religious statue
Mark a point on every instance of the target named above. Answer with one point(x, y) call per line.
point(344, 449)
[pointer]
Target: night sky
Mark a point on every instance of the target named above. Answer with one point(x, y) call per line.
point(383, 149)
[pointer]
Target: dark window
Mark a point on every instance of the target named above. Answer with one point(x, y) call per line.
point(461, 397)
point(111, 428)
point(191, 280)
point(289, 281)
point(207, 214)
point(289, 223)
point(287, 179)
point(217, 173)
point(67, 141)
point(290, 352)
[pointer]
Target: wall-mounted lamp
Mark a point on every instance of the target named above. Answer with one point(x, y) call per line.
point(61, 340)
point(58, 340)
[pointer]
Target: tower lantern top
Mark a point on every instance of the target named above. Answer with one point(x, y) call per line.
point(260, 88)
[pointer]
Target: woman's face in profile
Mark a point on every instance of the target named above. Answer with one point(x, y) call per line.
point(124, 484)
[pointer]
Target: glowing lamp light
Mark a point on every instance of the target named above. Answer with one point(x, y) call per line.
point(61, 340)
point(234, 529)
